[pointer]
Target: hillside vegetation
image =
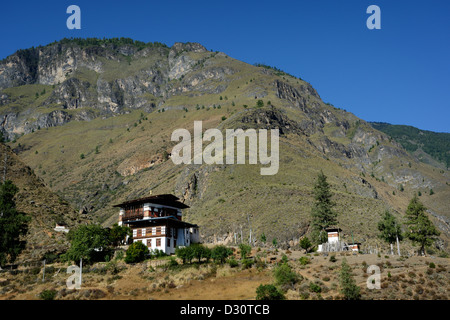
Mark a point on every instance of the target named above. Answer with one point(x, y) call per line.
point(436, 144)
point(95, 120)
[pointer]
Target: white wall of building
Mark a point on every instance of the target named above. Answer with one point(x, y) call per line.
point(194, 235)
point(333, 237)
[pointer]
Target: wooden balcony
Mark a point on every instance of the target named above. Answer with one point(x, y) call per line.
point(133, 215)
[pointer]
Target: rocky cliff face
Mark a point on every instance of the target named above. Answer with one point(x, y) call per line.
point(62, 69)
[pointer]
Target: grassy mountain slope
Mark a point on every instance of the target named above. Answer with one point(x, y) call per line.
point(45, 208)
point(101, 134)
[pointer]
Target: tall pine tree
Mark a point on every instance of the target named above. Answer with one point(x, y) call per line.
point(322, 212)
point(13, 224)
point(390, 230)
point(420, 228)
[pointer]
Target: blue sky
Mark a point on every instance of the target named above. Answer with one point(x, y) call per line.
point(399, 74)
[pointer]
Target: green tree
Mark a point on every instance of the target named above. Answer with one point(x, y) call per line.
point(48, 294)
point(89, 242)
point(199, 251)
point(13, 224)
point(117, 234)
point(268, 292)
point(263, 238)
point(185, 253)
point(305, 244)
point(220, 253)
point(245, 250)
point(390, 230)
point(420, 228)
point(347, 284)
point(322, 212)
point(284, 275)
point(260, 103)
point(180, 252)
point(136, 252)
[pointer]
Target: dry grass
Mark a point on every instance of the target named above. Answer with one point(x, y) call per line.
point(319, 280)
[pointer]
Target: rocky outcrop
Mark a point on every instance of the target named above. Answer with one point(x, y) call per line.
point(272, 118)
point(179, 63)
point(72, 94)
point(19, 69)
point(60, 65)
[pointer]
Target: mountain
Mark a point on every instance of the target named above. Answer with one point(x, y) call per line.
point(94, 118)
point(45, 208)
point(426, 145)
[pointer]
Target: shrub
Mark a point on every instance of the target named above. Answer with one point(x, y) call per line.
point(440, 268)
point(51, 257)
point(232, 262)
point(157, 253)
point(247, 263)
point(172, 262)
point(260, 264)
point(315, 287)
point(432, 265)
point(304, 261)
point(35, 270)
point(283, 275)
point(304, 295)
point(113, 268)
point(268, 292)
point(119, 255)
point(333, 258)
point(245, 249)
point(136, 252)
point(47, 295)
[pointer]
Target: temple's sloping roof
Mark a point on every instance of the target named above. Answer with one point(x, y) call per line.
point(333, 229)
point(161, 199)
